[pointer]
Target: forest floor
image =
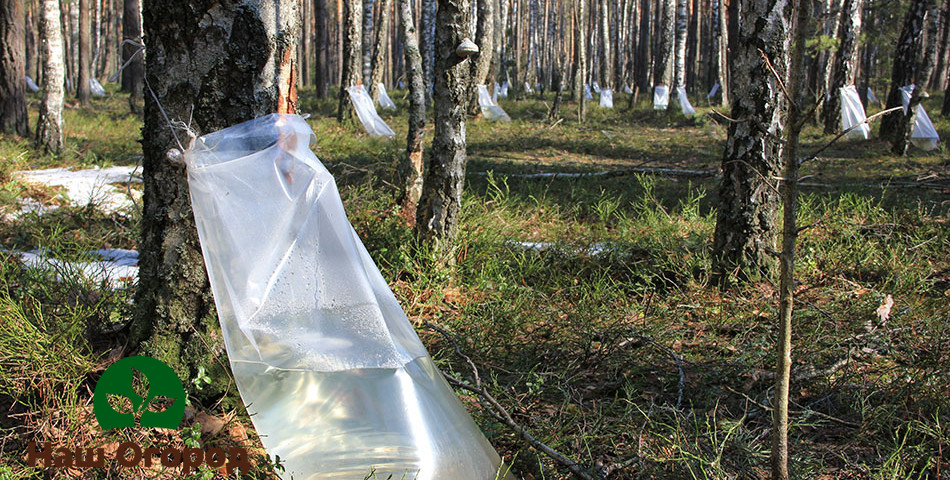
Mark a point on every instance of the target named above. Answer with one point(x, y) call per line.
point(584, 301)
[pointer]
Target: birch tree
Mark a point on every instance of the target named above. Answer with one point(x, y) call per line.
point(845, 63)
point(49, 125)
point(13, 117)
point(412, 164)
point(663, 61)
point(352, 41)
point(437, 218)
point(235, 65)
point(379, 48)
point(481, 62)
point(605, 61)
point(679, 77)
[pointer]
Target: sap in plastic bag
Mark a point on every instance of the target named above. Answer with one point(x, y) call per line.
point(685, 106)
point(30, 84)
point(852, 114)
point(490, 109)
point(96, 88)
point(335, 379)
point(587, 94)
point(661, 97)
point(384, 100)
point(366, 112)
point(924, 135)
point(606, 98)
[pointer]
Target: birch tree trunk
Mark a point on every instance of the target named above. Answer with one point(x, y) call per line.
point(905, 71)
point(679, 76)
point(379, 49)
point(748, 199)
point(715, 61)
point(410, 171)
point(367, 42)
point(352, 38)
point(845, 62)
point(605, 60)
point(13, 117)
point(49, 126)
point(481, 62)
point(663, 61)
point(580, 59)
point(237, 64)
point(427, 46)
point(437, 219)
point(85, 52)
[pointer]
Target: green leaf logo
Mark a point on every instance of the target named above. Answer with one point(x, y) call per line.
point(139, 390)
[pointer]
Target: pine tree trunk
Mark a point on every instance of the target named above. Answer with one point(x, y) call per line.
point(352, 38)
point(905, 72)
point(49, 127)
point(939, 79)
point(322, 47)
point(13, 117)
point(845, 62)
point(725, 31)
point(748, 200)
point(663, 61)
point(437, 219)
point(481, 62)
point(379, 48)
point(69, 13)
point(303, 44)
point(83, 90)
point(645, 52)
point(410, 171)
point(220, 73)
point(867, 57)
point(679, 76)
point(134, 73)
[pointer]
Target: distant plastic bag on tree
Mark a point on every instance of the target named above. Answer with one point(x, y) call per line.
point(384, 100)
point(661, 97)
point(627, 89)
point(606, 98)
point(587, 94)
point(924, 136)
point(30, 84)
point(366, 112)
point(335, 378)
point(527, 88)
point(490, 109)
point(852, 114)
point(685, 106)
point(872, 97)
point(96, 88)
point(712, 92)
point(494, 93)
point(595, 87)
point(503, 93)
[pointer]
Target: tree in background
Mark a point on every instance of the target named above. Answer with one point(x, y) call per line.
point(239, 67)
point(481, 62)
point(845, 63)
point(83, 90)
point(437, 219)
point(49, 126)
point(410, 171)
point(13, 118)
point(663, 60)
point(748, 200)
point(134, 72)
point(322, 48)
point(352, 39)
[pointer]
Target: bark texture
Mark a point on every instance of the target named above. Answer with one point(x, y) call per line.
point(906, 68)
point(218, 65)
point(13, 118)
point(679, 77)
point(322, 48)
point(605, 60)
point(845, 63)
point(663, 61)
point(134, 73)
point(352, 39)
point(83, 91)
point(437, 219)
point(481, 62)
point(49, 126)
point(748, 199)
point(367, 42)
point(379, 48)
point(427, 46)
point(411, 167)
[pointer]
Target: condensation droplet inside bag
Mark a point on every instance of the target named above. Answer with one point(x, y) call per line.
point(335, 378)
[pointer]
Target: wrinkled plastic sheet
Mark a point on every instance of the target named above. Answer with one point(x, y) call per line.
point(595, 87)
point(627, 90)
point(661, 97)
point(852, 114)
point(685, 106)
point(96, 88)
point(587, 94)
point(384, 100)
point(606, 98)
point(366, 112)
point(503, 93)
point(527, 88)
point(713, 91)
point(924, 135)
point(490, 109)
point(31, 85)
point(333, 374)
point(872, 97)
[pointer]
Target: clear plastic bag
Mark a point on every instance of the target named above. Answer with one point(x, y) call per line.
point(712, 92)
point(587, 94)
point(661, 97)
point(685, 106)
point(489, 108)
point(627, 89)
point(503, 93)
point(527, 88)
point(366, 112)
point(924, 136)
point(96, 88)
point(595, 87)
point(852, 113)
point(30, 84)
point(494, 93)
point(606, 98)
point(384, 100)
point(335, 378)
point(872, 97)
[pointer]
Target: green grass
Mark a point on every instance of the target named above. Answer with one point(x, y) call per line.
point(583, 348)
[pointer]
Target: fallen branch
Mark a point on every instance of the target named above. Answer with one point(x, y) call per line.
point(499, 412)
point(672, 172)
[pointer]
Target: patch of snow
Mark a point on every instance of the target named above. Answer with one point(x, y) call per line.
point(83, 187)
point(592, 250)
point(116, 267)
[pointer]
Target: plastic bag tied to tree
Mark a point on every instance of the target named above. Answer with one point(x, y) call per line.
point(490, 109)
point(366, 112)
point(606, 98)
point(587, 94)
point(924, 135)
point(335, 378)
point(661, 97)
point(384, 100)
point(685, 106)
point(852, 114)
